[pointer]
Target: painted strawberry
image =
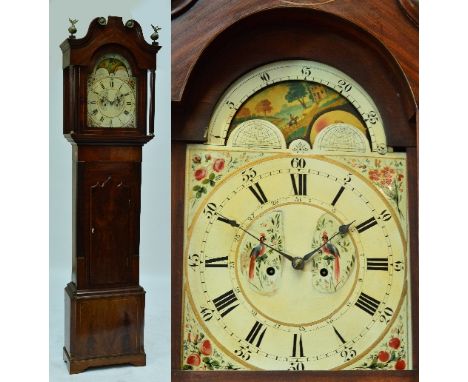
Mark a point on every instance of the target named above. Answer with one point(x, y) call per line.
point(384, 356)
point(205, 347)
point(193, 359)
point(400, 364)
point(394, 343)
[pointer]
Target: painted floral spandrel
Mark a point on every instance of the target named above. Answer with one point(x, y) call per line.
point(387, 175)
point(209, 167)
point(392, 352)
point(199, 353)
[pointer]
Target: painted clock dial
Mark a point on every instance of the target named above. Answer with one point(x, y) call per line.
point(300, 98)
point(295, 246)
point(260, 310)
point(112, 97)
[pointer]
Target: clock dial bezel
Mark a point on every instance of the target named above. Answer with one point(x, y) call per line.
point(139, 108)
point(118, 89)
point(288, 155)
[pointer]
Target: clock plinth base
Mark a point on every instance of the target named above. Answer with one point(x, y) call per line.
point(75, 366)
point(103, 327)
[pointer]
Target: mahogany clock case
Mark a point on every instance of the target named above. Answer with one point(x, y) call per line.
point(127, 156)
point(248, 34)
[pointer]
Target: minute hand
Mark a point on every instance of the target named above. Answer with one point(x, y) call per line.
point(343, 229)
point(233, 223)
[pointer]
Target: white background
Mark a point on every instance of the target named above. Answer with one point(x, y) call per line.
point(155, 199)
point(25, 190)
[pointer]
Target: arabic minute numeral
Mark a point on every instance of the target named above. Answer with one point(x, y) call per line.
point(386, 315)
point(344, 85)
point(194, 260)
point(298, 163)
point(348, 353)
point(265, 77)
point(207, 313)
point(243, 352)
point(231, 105)
point(385, 215)
point(248, 174)
point(209, 210)
point(370, 117)
point(398, 266)
point(297, 366)
point(306, 71)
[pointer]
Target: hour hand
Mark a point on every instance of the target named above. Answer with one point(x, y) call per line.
point(235, 224)
point(231, 222)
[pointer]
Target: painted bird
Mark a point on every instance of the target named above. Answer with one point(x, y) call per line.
point(330, 249)
point(257, 251)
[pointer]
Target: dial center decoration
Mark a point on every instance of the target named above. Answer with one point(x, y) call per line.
point(298, 300)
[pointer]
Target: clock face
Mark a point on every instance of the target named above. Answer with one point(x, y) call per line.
point(305, 100)
point(111, 94)
point(295, 245)
point(259, 296)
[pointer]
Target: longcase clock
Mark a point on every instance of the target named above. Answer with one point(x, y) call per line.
point(295, 199)
point(109, 79)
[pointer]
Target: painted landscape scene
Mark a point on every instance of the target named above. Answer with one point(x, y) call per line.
point(300, 109)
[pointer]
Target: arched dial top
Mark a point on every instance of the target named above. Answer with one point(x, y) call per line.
point(302, 99)
point(112, 94)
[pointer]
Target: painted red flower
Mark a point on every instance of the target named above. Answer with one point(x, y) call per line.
point(205, 347)
point(193, 359)
point(384, 356)
point(218, 165)
point(196, 159)
point(387, 181)
point(374, 175)
point(400, 364)
point(388, 171)
point(394, 343)
point(200, 173)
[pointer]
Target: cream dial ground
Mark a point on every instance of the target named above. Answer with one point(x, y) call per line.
point(111, 94)
point(111, 102)
point(269, 315)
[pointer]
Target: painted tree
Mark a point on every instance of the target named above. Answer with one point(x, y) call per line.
point(264, 106)
point(244, 112)
point(296, 92)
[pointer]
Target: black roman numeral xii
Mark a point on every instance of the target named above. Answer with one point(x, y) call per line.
point(299, 183)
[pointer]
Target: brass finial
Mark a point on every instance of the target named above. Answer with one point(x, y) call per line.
point(155, 35)
point(72, 28)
